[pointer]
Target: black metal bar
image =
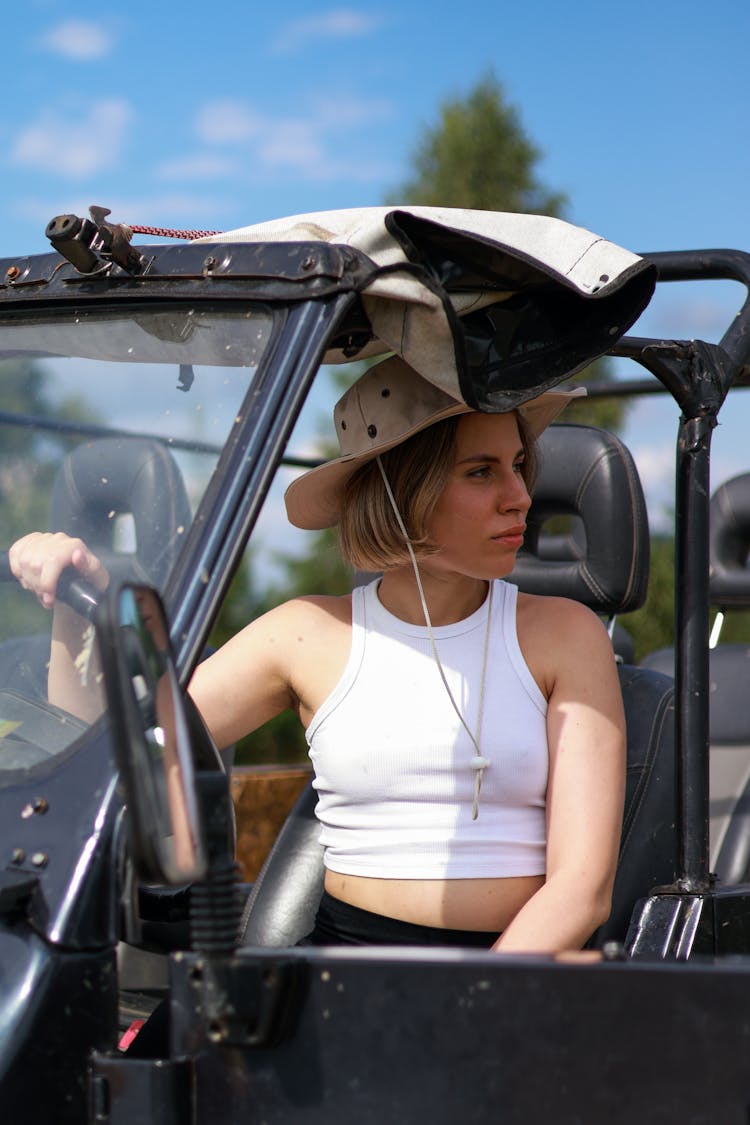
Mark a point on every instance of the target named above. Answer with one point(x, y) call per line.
point(714, 265)
point(88, 429)
point(66, 428)
point(698, 376)
point(692, 491)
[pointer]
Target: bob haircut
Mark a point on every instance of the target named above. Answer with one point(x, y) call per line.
point(370, 538)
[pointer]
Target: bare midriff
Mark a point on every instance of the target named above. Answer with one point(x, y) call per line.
point(455, 904)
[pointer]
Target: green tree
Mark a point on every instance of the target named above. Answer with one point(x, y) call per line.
point(652, 626)
point(478, 156)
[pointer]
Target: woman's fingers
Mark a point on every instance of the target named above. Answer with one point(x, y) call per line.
point(38, 559)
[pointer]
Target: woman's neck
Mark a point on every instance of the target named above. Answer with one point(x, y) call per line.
point(449, 598)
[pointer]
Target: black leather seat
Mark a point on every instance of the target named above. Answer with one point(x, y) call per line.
point(601, 559)
point(135, 477)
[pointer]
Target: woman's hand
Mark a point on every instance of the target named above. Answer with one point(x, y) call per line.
point(38, 559)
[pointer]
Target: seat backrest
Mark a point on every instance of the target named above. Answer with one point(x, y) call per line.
point(282, 904)
point(589, 476)
point(136, 477)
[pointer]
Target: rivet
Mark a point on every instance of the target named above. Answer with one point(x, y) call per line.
point(307, 263)
point(372, 431)
point(40, 859)
point(12, 273)
point(604, 277)
point(18, 855)
point(38, 805)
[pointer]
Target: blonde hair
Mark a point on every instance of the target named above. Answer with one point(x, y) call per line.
point(370, 538)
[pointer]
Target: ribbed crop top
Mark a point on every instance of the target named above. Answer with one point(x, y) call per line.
point(393, 763)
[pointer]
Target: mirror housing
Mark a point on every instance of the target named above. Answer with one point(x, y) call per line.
point(151, 736)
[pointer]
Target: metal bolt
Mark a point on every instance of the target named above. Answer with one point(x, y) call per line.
point(210, 263)
point(217, 1031)
point(40, 859)
point(12, 273)
point(613, 951)
point(18, 855)
point(38, 805)
point(308, 263)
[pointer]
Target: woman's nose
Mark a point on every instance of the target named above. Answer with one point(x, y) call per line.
point(516, 496)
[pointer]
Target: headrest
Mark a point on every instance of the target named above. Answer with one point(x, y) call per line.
point(729, 544)
point(110, 477)
point(588, 474)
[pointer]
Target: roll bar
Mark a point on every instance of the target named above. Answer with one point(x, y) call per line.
point(698, 375)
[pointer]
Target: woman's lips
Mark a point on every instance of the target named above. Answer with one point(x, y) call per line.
point(511, 537)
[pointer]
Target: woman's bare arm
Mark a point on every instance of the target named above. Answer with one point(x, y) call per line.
point(37, 561)
point(586, 733)
point(289, 658)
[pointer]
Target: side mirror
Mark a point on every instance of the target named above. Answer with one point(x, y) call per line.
point(151, 737)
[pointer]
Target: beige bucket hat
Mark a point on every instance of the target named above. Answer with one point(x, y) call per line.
point(387, 405)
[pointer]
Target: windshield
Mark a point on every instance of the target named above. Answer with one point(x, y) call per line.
point(111, 424)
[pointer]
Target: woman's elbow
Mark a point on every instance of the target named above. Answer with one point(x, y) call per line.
point(601, 909)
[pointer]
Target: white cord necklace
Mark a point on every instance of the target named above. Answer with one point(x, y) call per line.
point(478, 763)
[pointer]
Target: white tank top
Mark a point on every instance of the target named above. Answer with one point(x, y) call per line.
point(393, 762)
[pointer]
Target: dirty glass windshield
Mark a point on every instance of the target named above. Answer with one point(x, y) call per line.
point(111, 424)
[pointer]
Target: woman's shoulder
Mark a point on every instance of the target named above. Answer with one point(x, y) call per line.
point(559, 635)
point(317, 612)
point(543, 611)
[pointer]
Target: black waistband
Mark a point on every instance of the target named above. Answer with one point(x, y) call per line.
point(338, 923)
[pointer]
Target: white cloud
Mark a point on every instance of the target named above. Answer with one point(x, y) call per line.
point(80, 40)
point(201, 166)
point(349, 111)
point(299, 145)
point(339, 23)
point(656, 468)
point(701, 311)
point(292, 144)
point(227, 122)
point(74, 147)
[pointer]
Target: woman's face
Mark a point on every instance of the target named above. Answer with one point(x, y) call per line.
point(480, 517)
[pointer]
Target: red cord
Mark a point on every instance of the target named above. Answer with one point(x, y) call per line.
point(168, 232)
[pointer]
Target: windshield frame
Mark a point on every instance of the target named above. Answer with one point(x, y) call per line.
point(235, 495)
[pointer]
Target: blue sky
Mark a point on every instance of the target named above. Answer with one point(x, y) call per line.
point(214, 115)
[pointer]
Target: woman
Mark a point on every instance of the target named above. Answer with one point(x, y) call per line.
point(468, 741)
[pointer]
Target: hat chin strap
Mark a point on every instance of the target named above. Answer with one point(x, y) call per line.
point(478, 763)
